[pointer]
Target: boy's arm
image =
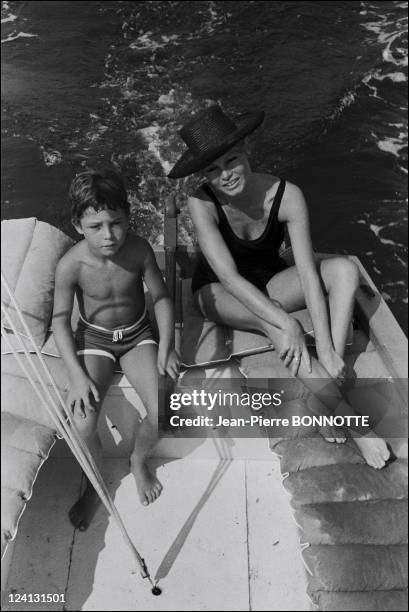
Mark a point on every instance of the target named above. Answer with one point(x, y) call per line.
point(168, 360)
point(65, 285)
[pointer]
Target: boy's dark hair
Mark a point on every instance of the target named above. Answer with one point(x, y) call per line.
point(98, 189)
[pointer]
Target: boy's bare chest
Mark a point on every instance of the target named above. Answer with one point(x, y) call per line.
point(107, 282)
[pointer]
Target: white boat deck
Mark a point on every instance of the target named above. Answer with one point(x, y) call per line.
point(220, 537)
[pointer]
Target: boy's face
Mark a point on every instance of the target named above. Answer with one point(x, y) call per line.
point(105, 230)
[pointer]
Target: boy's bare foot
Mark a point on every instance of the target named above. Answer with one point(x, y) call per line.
point(82, 512)
point(332, 434)
point(374, 450)
point(148, 486)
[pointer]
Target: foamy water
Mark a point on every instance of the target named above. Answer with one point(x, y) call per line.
point(331, 83)
point(7, 17)
point(391, 34)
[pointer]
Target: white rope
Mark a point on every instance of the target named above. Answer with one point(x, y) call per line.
point(69, 432)
point(73, 439)
point(60, 423)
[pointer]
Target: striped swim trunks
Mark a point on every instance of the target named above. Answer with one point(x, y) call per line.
point(93, 339)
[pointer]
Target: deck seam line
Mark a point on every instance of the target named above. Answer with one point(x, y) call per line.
point(64, 608)
point(247, 533)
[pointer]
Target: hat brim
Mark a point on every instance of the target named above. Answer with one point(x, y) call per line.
point(189, 163)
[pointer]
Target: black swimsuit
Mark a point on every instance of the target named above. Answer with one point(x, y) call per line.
point(256, 260)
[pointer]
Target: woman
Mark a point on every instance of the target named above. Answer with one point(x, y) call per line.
point(241, 281)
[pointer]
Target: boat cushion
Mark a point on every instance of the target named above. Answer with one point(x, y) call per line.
point(30, 251)
point(27, 436)
point(352, 521)
point(362, 601)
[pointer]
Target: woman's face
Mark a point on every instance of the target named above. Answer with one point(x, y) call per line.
point(229, 173)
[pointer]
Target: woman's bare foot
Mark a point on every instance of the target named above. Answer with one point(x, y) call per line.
point(374, 450)
point(333, 434)
point(148, 486)
point(82, 512)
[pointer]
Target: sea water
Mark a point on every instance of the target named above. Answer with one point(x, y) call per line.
point(98, 83)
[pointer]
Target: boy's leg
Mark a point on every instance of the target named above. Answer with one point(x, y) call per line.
point(140, 367)
point(100, 370)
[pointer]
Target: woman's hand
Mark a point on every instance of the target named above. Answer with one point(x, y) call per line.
point(333, 363)
point(168, 362)
point(293, 348)
point(82, 396)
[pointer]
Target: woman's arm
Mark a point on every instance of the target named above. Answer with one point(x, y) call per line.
point(292, 341)
point(219, 257)
point(294, 212)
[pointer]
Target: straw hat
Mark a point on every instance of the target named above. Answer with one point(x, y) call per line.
point(209, 135)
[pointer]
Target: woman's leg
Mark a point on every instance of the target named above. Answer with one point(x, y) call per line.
point(100, 370)
point(340, 280)
point(139, 366)
point(220, 306)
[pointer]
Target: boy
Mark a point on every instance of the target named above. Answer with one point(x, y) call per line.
point(105, 270)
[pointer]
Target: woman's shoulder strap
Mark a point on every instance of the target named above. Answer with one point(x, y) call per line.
point(277, 198)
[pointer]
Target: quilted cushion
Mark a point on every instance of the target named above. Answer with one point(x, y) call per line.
point(27, 435)
point(30, 251)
